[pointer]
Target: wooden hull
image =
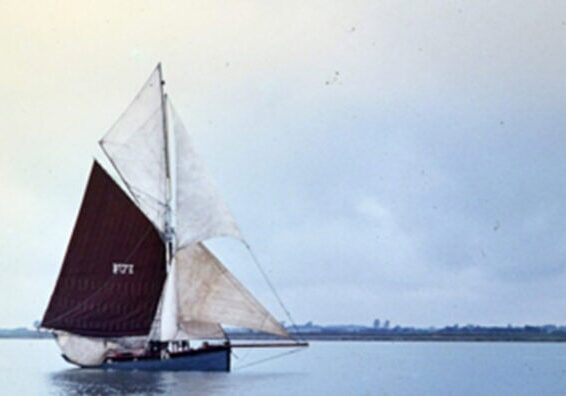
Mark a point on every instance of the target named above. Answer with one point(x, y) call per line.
point(214, 358)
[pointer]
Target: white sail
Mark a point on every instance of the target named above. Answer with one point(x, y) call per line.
point(201, 213)
point(136, 147)
point(199, 292)
point(85, 351)
point(209, 293)
point(196, 330)
point(169, 321)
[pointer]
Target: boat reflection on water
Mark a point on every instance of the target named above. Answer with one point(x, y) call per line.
point(107, 382)
point(97, 382)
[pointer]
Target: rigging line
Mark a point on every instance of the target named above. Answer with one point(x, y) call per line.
point(103, 286)
point(241, 358)
point(270, 284)
point(129, 188)
point(226, 336)
point(106, 140)
point(280, 355)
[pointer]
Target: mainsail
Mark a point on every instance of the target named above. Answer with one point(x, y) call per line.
point(114, 268)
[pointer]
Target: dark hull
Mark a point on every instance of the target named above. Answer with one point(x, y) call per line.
point(214, 358)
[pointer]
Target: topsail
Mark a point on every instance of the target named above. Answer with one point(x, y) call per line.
point(136, 147)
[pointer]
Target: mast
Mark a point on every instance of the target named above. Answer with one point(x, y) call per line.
point(169, 233)
point(168, 324)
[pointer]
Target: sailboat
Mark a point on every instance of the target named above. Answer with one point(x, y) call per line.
point(138, 288)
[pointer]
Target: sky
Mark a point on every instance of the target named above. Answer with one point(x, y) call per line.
point(401, 160)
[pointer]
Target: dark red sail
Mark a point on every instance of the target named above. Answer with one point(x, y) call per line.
point(113, 273)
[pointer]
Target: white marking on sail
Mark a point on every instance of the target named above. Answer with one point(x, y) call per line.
point(122, 269)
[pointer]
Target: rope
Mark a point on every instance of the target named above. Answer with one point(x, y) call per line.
point(241, 358)
point(256, 362)
point(270, 284)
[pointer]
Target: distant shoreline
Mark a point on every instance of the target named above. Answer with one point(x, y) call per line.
point(418, 337)
point(347, 336)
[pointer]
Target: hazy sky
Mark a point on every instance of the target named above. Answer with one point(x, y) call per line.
point(394, 159)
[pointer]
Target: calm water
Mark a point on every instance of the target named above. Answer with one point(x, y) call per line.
point(341, 368)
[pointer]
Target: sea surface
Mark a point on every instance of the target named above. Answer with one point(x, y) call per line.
point(34, 367)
